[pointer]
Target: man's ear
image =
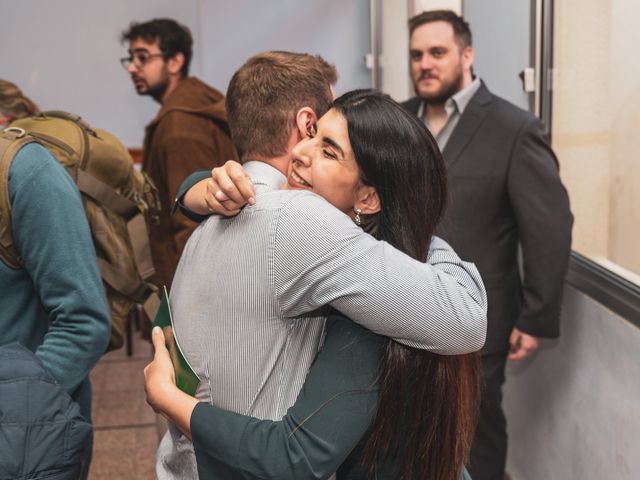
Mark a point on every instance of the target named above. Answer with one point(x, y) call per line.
point(306, 118)
point(467, 57)
point(367, 200)
point(175, 63)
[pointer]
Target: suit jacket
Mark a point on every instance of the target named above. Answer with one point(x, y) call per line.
point(505, 191)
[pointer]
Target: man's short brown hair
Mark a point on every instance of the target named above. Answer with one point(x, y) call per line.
point(265, 94)
point(461, 28)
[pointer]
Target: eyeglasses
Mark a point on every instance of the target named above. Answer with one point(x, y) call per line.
point(139, 59)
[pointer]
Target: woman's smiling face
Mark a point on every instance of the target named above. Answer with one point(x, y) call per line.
point(325, 163)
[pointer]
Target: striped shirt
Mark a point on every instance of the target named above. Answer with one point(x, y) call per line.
point(250, 293)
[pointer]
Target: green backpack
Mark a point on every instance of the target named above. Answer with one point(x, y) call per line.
point(116, 199)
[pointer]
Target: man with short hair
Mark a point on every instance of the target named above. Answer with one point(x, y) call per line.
point(290, 255)
point(189, 132)
point(505, 192)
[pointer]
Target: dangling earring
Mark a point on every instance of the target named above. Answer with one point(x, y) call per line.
point(358, 220)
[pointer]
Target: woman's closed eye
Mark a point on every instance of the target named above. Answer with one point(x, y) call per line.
point(329, 154)
point(331, 148)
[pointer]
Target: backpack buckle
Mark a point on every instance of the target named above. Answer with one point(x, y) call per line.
point(18, 132)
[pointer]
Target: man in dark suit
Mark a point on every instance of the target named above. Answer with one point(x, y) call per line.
point(505, 192)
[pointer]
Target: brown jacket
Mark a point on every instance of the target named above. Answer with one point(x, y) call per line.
point(189, 133)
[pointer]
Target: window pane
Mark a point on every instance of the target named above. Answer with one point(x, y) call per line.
point(596, 126)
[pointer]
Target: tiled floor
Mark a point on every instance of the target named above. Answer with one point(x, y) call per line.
point(125, 433)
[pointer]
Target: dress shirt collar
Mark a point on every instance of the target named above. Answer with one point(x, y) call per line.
point(457, 102)
point(462, 98)
point(264, 174)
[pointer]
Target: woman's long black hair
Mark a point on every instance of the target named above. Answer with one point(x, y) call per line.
point(428, 403)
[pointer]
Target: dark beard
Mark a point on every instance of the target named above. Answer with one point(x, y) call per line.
point(441, 97)
point(157, 92)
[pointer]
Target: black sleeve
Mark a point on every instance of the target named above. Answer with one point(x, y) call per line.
point(189, 182)
point(541, 207)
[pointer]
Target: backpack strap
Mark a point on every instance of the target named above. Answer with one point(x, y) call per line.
point(136, 289)
point(72, 117)
point(136, 225)
point(85, 130)
point(133, 288)
point(139, 237)
point(11, 140)
point(102, 193)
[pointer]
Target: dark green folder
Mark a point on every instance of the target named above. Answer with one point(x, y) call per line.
point(186, 378)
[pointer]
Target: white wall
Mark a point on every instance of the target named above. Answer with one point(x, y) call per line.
point(64, 53)
point(394, 50)
point(422, 5)
point(573, 410)
point(335, 29)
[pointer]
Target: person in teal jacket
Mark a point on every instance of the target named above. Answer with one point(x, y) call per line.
point(370, 408)
point(55, 305)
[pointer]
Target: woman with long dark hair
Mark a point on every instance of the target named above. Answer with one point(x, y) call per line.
point(418, 409)
point(432, 397)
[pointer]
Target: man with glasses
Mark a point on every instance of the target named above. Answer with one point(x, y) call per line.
point(189, 132)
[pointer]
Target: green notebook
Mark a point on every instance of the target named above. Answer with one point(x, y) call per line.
point(186, 378)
